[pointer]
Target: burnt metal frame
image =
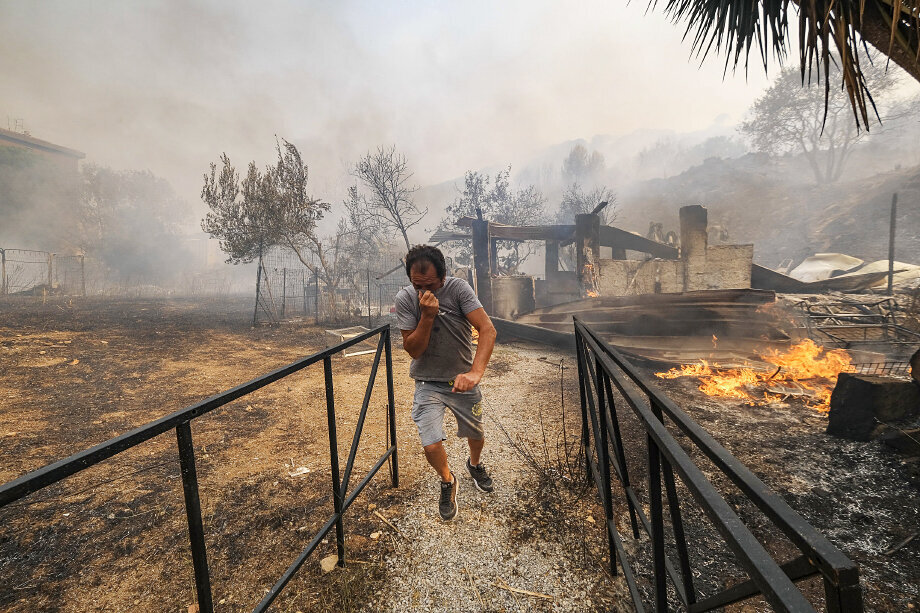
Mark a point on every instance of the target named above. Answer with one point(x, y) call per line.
point(861, 317)
point(598, 366)
point(181, 422)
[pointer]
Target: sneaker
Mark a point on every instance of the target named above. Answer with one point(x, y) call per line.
point(481, 478)
point(448, 503)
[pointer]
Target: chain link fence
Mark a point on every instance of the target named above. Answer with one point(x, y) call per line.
point(287, 289)
point(26, 272)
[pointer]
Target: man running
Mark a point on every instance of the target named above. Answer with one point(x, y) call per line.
point(434, 315)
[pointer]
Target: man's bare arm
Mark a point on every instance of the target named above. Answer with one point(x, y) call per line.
point(415, 342)
point(480, 320)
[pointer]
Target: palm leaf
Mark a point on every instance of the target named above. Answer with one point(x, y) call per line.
point(827, 29)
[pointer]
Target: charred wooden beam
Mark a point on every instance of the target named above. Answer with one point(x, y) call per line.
point(622, 240)
point(609, 236)
point(507, 329)
point(482, 262)
point(552, 259)
point(587, 252)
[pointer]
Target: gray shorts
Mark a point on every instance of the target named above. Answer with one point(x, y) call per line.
point(431, 397)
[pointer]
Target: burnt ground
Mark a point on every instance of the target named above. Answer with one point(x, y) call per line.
point(861, 496)
point(114, 537)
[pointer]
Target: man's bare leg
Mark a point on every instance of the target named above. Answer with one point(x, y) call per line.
point(437, 457)
point(475, 449)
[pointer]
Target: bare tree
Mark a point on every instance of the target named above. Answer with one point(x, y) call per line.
point(576, 200)
point(789, 118)
point(387, 196)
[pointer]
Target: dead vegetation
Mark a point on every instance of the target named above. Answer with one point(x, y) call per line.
point(114, 537)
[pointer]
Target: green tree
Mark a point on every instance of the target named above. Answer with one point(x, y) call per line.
point(272, 208)
point(266, 209)
point(498, 202)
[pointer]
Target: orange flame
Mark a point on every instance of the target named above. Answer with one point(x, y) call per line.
point(803, 369)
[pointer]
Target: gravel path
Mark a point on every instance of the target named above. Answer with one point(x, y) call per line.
point(513, 537)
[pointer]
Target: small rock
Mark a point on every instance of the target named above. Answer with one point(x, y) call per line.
point(371, 506)
point(590, 519)
point(375, 535)
point(328, 563)
point(193, 608)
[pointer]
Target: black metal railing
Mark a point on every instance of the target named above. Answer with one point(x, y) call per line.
point(180, 421)
point(599, 365)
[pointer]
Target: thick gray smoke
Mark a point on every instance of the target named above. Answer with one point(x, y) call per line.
point(168, 86)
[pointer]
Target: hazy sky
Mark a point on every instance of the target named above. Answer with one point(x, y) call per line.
point(169, 85)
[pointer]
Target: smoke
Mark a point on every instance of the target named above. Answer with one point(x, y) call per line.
point(168, 86)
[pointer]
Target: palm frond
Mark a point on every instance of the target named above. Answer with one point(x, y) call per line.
point(828, 29)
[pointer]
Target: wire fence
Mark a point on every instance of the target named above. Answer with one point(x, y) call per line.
point(30, 273)
point(287, 289)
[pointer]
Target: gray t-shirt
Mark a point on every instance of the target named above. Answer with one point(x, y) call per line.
point(450, 346)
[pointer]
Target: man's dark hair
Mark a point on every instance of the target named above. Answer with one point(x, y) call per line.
point(426, 253)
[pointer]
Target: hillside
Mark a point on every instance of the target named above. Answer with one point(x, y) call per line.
point(770, 203)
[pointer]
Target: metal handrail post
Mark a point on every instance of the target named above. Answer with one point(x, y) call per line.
point(677, 524)
point(843, 598)
point(680, 537)
point(603, 456)
point(193, 512)
point(614, 426)
point(582, 391)
point(283, 291)
point(657, 520)
point(391, 409)
point(334, 461)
